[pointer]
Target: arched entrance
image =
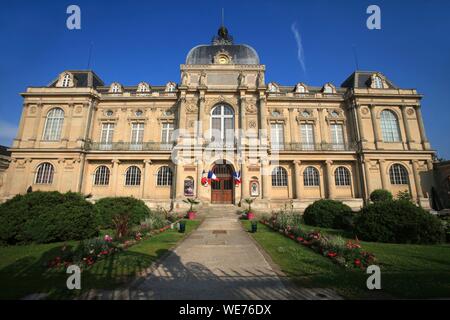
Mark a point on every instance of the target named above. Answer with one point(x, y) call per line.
point(222, 191)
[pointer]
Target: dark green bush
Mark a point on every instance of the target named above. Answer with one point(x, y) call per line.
point(381, 195)
point(44, 217)
point(398, 221)
point(107, 208)
point(329, 214)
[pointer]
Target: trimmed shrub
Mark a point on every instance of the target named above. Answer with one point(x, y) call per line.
point(44, 217)
point(107, 208)
point(329, 214)
point(398, 221)
point(380, 195)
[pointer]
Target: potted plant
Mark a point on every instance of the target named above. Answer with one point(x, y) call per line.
point(191, 213)
point(250, 214)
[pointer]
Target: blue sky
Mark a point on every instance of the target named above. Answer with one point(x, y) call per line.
point(137, 41)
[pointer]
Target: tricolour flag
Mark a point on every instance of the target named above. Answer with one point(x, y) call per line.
point(204, 179)
point(212, 176)
point(237, 177)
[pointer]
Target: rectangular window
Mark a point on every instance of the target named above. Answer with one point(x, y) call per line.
point(307, 136)
point(166, 135)
point(107, 136)
point(137, 136)
point(277, 136)
point(337, 137)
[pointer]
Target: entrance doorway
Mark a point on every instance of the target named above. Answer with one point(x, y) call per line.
point(222, 190)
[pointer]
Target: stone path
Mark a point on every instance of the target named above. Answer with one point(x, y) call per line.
point(219, 260)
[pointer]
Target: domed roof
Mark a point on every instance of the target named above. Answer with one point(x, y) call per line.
point(222, 44)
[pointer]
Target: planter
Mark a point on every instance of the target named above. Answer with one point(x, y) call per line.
point(182, 227)
point(191, 215)
point(250, 216)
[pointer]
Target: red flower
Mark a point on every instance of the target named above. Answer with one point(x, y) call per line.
point(332, 254)
point(357, 262)
point(300, 239)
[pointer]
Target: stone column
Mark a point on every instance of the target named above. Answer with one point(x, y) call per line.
point(266, 179)
point(115, 175)
point(367, 174)
point(360, 124)
point(293, 128)
point(146, 178)
point(409, 139)
point(415, 167)
point(201, 117)
point(262, 115)
point(376, 131)
point(423, 136)
point(179, 186)
point(242, 105)
point(298, 179)
point(19, 135)
point(245, 181)
point(323, 127)
point(382, 164)
point(67, 125)
point(182, 111)
point(37, 125)
point(330, 180)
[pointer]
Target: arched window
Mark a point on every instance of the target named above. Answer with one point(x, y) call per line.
point(101, 176)
point(342, 176)
point(222, 123)
point(44, 173)
point(389, 126)
point(327, 89)
point(398, 174)
point(279, 177)
point(164, 177)
point(377, 83)
point(311, 177)
point(133, 176)
point(53, 124)
point(66, 80)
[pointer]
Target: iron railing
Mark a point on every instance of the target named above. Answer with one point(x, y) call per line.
point(128, 146)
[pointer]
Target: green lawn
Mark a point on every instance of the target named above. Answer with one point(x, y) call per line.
point(23, 268)
point(407, 271)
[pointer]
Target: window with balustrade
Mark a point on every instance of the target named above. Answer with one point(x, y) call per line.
point(307, 136)
point(53, 125)
point(389, 126)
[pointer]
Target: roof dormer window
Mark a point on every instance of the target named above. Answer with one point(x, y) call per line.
point(327, 89)
point(66, 80)
point(116, 88)
point(377, 82)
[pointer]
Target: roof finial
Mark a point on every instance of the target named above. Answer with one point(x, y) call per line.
point(223, 17)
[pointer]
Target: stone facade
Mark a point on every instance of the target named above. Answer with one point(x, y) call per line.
point(338, 142)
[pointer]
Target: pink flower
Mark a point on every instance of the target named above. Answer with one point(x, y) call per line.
point(108, 238)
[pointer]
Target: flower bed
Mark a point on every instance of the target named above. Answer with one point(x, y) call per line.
point(92, 250)
point(346, 253)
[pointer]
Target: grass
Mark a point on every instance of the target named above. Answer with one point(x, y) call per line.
point(407, 271)
point(23, 268)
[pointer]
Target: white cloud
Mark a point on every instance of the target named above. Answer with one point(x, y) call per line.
point(7, 133)
point(300, 52)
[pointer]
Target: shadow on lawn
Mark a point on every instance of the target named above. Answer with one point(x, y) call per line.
point(30, 275)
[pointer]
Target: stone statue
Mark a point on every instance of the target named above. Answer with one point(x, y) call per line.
point(202, 80)
point(260, 79)
point(242, 79)
point(184, 78)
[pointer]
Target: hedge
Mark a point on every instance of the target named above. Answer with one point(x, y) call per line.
point(380, 195)
point(44, 217)
point(107, 208)
point(398, 221)
point(329, 214)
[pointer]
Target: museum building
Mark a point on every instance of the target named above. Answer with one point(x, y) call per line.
point(277, 143)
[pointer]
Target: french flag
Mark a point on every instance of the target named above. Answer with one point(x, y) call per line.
point(212, 176)
point(237, 177)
